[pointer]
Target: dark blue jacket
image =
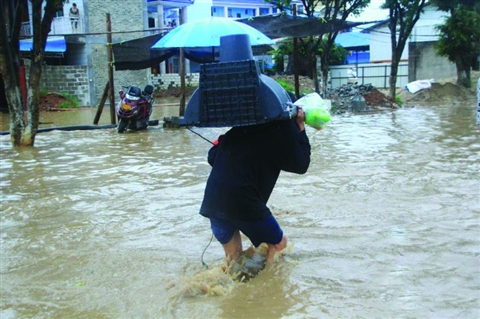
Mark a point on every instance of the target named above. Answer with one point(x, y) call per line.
point(246, 164)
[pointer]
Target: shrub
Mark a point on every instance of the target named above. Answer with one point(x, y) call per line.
point(287, 86)
point(72, 102)
point(398, 100)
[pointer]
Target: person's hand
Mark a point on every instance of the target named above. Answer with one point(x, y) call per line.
point(300, 119)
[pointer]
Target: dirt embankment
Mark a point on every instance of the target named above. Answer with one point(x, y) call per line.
point(439, 94)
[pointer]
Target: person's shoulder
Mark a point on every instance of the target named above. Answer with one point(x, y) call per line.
point(283, 125)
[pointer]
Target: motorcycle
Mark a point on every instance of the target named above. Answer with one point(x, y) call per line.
point(134, 108)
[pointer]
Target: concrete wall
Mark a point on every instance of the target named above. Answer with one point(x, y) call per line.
point(423, 63)
point(126, 18)
point(423, 31)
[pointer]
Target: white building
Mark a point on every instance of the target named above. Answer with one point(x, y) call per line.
point(423, 31)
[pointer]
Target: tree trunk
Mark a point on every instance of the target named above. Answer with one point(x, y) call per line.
point(15, 107)
point(324, 67)
point(289, 69)
point(315, 74)
point(23, 122)
point(463, 75)
point(393, 79)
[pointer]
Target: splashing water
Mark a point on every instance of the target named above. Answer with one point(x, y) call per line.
point(222, 279)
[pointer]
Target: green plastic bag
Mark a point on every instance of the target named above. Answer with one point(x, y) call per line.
point(317, 110)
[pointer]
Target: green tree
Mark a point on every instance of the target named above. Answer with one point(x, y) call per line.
point(404, 14)
point(322, 44)
point(337, 55)
point(459, 41)
point(23, 123)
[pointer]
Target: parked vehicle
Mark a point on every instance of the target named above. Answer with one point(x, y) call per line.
point(134, 108)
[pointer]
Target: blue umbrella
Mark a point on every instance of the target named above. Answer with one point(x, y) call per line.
point(207, 33)
point(197, 35)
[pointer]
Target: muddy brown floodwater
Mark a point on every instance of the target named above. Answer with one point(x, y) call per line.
point(385, 224)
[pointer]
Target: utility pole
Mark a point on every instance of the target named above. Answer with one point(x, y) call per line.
point(295, 58)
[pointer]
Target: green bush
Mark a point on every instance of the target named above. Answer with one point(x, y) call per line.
point(287, 86)
point(398, 99)
point(71, 103)
point(66, 105)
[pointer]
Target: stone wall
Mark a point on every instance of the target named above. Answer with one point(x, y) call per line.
point(165, 81)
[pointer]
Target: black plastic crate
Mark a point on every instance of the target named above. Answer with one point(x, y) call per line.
point(229, 94)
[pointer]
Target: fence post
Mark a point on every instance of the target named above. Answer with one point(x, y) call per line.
point(385, 76)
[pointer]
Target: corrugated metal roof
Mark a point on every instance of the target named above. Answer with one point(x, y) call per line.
point(353, 40)
point(56, 44)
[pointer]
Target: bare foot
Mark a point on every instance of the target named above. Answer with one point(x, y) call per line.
point(273, 249)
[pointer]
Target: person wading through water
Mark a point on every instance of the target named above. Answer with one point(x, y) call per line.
point(246, 163)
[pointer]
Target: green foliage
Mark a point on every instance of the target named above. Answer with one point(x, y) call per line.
point(285, 47)
point(398, 100)
point(65, 105)
point(458, 40)
point(337, 55)
point(287, 86)
point(290, 87)
point(72, 102)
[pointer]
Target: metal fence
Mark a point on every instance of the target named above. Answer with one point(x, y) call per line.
point(377, 74)
point(60, 26)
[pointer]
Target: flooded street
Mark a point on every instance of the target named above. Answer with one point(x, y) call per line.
point(385, 224)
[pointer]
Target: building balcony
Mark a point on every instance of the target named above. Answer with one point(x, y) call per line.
point(60, 26)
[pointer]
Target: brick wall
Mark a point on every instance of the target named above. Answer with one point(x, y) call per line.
point(165, 81)
point(70, 79)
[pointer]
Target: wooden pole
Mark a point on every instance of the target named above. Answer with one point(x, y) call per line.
point(102, 104)
point(182, 82)
point(295, 58)
point(110, 70)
